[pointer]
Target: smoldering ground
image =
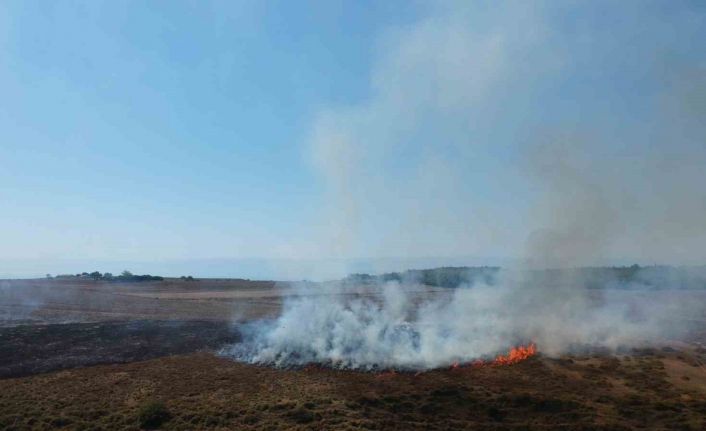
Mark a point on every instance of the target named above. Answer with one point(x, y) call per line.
point(17, 304)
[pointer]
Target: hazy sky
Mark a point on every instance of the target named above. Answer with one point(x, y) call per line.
point(192, 130)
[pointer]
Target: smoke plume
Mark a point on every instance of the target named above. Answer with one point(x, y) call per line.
point(480, 138)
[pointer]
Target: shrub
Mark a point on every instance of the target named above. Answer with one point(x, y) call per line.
point(153, 414)
point(301, 415)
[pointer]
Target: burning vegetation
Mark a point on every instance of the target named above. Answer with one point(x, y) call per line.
point(515, 355)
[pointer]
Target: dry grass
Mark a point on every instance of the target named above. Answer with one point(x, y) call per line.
point(201, 391)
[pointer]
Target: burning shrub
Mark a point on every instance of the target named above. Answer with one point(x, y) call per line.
point(153, 414)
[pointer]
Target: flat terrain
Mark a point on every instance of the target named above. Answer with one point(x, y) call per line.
point(648, 390)
point(79, 300)
point(95, 355)
point(33, 349)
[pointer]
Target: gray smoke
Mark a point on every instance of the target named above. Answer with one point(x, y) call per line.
point(394, 326)
point(17, 304)
point(614, 187)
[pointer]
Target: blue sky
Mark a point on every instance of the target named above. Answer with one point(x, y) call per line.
point(153, 131)
point(168, 124)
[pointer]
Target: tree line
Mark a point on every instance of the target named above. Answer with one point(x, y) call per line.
point(107, 276)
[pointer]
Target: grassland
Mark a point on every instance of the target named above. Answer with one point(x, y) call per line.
point(644, 390)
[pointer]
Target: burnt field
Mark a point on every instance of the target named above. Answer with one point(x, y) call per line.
point(104, 356)
point(34, 349)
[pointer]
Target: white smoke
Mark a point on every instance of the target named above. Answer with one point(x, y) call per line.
point(18, 304)
point(392, 326)
point(403, 180)
point(390, 332)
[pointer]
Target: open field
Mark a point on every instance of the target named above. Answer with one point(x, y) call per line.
point(76, 300)
point(649, 390)
point(144, 355)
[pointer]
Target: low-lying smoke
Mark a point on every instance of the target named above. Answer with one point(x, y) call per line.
point(17, 304)
point(394, 326)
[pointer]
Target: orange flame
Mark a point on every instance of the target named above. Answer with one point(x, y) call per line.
point(516, 355)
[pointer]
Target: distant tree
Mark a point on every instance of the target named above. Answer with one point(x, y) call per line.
point(125, 276)
point(49, 276)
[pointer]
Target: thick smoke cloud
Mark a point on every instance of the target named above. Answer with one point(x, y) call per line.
point(495, 131)
point(390, 327)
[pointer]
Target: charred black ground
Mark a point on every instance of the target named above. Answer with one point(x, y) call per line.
point(32, 349)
